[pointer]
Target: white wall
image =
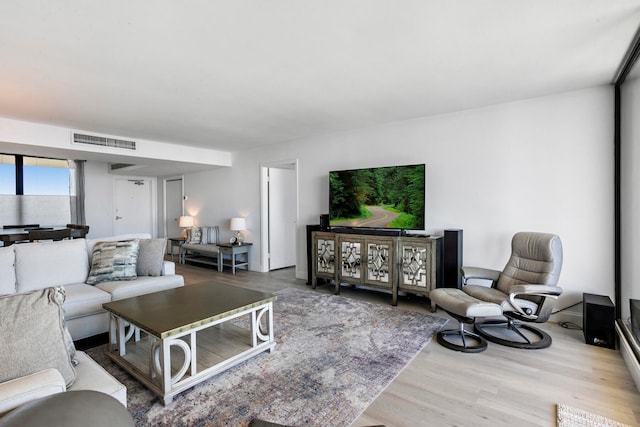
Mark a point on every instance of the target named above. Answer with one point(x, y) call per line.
point(544, 164)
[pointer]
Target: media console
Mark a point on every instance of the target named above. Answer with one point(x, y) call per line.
point(383, 259)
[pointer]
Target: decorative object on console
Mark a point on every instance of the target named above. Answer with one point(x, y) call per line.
point(238, 225)
point(185, 222)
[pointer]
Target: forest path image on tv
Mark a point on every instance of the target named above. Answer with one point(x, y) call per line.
point(383, 197)
point(380, 218)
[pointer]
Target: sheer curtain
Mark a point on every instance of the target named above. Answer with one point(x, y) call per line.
point(76, 191)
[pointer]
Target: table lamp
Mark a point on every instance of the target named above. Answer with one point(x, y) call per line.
point(185, 222)
point(238, 225)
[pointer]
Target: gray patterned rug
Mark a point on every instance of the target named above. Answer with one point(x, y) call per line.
point(333, 357)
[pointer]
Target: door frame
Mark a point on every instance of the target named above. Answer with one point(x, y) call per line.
point(164, 200)
point(264, 209)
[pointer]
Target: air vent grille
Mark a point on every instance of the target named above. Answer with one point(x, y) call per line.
point(102, 141)
point(116, 166)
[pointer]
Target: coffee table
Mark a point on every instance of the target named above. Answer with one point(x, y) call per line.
point(188, 329)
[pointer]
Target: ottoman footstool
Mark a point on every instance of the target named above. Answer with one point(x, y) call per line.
point(464, 308)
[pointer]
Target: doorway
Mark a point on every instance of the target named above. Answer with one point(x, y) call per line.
point(173, 206)
point(134, 205)
point(279, 217)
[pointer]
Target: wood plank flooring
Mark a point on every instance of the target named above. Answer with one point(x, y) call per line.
point(499, 387)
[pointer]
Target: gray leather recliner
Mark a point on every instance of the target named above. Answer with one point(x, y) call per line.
point(526, 290)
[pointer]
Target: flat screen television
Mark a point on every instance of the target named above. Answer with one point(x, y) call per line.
point(382, 197)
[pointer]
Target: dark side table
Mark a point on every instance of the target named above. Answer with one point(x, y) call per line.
point(175, 241)
point(237, 255)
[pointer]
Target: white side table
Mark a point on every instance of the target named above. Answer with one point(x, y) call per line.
point(237, 255)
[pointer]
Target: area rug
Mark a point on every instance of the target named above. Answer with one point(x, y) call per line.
point(333, 357)
point(568, 416)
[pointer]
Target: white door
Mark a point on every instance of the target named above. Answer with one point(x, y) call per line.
point(173, 200)
point(282, 218)
point(133, 211)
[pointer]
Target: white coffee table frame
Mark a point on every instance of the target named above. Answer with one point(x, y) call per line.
point(160, 380)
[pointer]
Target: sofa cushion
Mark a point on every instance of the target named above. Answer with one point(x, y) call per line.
point(21, 390)
point(92, 376)
point(83, 300)
point(207, 249)
point(33, 334)
point(114, 261)
point(7, 271)
point(43, 264)
point(151, 257)
point(140, 286)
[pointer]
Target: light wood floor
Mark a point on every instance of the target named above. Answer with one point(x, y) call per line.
point(499, 387)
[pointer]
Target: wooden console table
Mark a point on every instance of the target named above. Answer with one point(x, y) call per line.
point(393, 263)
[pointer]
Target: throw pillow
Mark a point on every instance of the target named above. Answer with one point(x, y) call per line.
point(209, 236)
point(33, 335)
point(151, 257)
point(114, 261)
point(195, 235)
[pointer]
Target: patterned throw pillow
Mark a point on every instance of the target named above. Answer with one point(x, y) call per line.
point(195, 235)
point(114, 261)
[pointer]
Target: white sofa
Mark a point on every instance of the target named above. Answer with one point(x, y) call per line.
point(32, 266)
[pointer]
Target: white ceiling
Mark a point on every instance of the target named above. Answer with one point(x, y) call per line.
point(233, 75)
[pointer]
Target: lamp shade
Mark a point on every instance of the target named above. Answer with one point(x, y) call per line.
point(238, 224)
point(185, 221)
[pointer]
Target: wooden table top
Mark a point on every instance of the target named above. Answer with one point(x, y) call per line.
point(172, 311)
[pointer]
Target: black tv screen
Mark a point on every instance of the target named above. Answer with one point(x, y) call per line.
point(382, 197)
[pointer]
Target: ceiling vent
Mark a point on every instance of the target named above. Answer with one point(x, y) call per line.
point(118, 166)
point(103, 141)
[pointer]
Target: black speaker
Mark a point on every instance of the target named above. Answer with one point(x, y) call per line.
point(310, 229)
point(324, 222)
point(452, 258)
point(598, 320)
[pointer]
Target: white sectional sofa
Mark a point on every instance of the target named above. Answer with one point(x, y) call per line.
point(29, 267)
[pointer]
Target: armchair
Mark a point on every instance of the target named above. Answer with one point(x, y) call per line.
point(526, 290)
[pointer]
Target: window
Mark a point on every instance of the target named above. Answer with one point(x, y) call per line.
point(45, 177)
point(34, 176)
point(7, 174)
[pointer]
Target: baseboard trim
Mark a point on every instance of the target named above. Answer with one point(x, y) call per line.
point(567, 317)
